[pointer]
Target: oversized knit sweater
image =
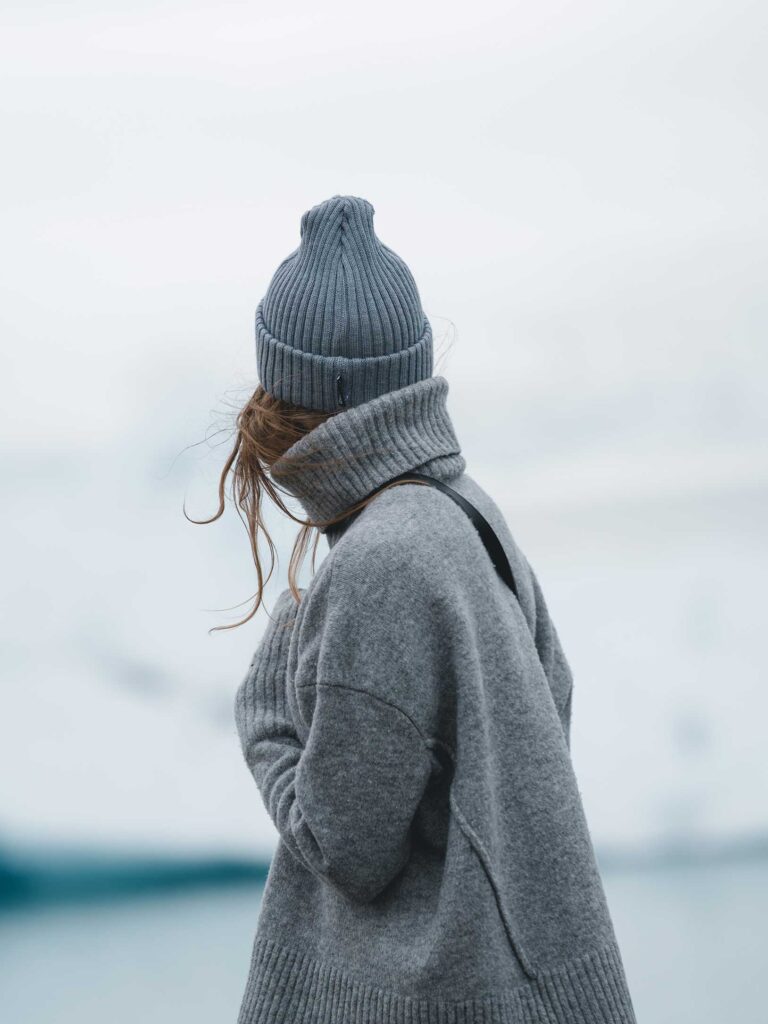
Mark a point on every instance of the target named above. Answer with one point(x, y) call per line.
point(407, 725)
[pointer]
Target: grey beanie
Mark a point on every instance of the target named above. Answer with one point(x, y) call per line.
point(341, 322)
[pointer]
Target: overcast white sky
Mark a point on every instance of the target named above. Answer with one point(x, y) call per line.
point(579, 190)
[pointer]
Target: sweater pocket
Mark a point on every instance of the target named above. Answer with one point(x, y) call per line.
point(485, 863)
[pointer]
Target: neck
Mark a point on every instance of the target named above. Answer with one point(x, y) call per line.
point(342, 460)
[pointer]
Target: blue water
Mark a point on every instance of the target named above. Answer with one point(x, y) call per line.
point(694, 941)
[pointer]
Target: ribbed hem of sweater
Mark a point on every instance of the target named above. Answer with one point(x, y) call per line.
point(286, 986)
point(347, 456)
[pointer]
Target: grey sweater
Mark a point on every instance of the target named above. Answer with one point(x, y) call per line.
point(408, 728)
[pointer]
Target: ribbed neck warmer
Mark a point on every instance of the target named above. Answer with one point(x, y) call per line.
point(352, 452)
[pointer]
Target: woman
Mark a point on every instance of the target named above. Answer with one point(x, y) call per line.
point(406, 716)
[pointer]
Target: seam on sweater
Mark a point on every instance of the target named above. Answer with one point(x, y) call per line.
point(347, 686)
point(429, 742)
point(382, 700)
point(479, 848)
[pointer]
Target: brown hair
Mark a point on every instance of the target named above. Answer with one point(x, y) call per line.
point(265, 428)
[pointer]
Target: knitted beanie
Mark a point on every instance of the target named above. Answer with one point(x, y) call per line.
point(341, 321)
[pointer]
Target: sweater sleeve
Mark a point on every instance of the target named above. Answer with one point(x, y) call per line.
point(268, 738)
point(343, 801)
point(553, 660)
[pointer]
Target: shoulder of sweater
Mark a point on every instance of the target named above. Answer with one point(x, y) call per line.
point(416, 534)
point(405, 528)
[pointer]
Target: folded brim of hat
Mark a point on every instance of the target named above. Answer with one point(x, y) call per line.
point(327, 383)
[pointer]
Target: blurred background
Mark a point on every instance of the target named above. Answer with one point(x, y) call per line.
point(579, 190)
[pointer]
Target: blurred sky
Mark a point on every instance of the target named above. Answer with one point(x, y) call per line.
point(579, 190)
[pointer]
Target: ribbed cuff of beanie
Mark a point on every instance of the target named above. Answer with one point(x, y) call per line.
point(329, 383)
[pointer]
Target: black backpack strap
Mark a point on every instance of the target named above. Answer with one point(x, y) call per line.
point(488, 536)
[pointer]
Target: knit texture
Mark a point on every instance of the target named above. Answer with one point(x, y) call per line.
point(341, 321)
point(347, 456)
point(407, 725)
point(290, 986)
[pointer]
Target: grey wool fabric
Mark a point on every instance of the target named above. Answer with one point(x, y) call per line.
point(341, 321)
point(407, 725)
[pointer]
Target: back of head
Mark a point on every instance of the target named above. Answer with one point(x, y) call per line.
point(340, 324)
